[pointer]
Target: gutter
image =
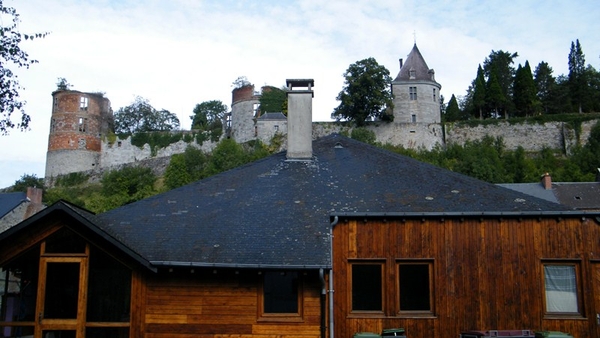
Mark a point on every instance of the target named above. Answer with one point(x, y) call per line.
point(236, 265)
point(331, 322)
point(470, 214)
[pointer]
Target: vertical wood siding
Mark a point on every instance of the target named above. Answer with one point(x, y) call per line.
point(225, 304)
point(487, 272)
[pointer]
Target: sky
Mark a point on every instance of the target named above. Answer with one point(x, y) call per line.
point(179, 53)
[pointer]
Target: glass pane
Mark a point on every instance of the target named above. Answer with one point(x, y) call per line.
point(16, 331)
point(18, 304)
point(281, 292)
point(109, 289)
point(58, 334)
point(107, 332)
point(65, 241)
point(366, 287)
point(561, 288)
point(62, 290)
point(414, 287)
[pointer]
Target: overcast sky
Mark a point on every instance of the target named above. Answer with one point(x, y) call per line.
point(178, 53)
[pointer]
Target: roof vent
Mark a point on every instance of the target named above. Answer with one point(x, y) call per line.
point(338, 145)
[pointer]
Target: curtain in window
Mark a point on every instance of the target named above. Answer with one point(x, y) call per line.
point(561, 288)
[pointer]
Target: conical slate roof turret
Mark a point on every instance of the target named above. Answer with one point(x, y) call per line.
point(415, 68)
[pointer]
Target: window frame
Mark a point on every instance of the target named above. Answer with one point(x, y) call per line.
point(412, 93)
point(83, 103)
point(430, 265)
point(578, 291)
point(350, 283)
point(280, 317)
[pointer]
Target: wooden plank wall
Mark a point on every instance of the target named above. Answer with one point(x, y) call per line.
point(487, 272)
point(225, 304)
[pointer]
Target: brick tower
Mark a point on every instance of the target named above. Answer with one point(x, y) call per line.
point(79, 121)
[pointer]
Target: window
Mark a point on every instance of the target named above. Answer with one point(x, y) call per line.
point(83, 103)
point(413, 118)
point(560, 286)
point(366, 286)
point(82, 124)
point(415, 286)
point(281, 295)
point(412, 74)
point(433, 94)
point(412, 91)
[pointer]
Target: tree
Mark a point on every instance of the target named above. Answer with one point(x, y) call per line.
point(453, 112)
point(25, 182)
point(273, 100)
point(240, 82)
point(500, 62)
point(577, 81)
point(479, 92)
point(545, 85)
point(12, 54)
point(366, 94)
point(495, 99)
point(524, 92)
point(208, 117)
point(140, 116)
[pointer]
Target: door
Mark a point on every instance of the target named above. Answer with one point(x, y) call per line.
point(61, 298)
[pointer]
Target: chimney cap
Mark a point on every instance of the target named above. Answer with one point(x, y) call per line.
point(305, 83)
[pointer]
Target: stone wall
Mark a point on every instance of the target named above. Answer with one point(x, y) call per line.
point(532, 137)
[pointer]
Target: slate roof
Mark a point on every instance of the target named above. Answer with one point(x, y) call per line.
point(416, 62)
point(576, 195)
point(9, 201)
point(272, 116)
point(278, 213)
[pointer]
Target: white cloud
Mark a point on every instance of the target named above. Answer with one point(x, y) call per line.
point(180, 53)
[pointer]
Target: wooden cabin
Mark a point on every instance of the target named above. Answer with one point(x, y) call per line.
point(344, 238)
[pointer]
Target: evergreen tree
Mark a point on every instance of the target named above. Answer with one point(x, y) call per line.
point(453, 112)
point(545, 85)
point(524, 92)
point(500, 62)
point(577, 81)
point(479, 92)
point(495, 99)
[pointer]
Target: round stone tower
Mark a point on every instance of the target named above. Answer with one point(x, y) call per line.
point(244, 108)
point(79, 121)
point(416, 93)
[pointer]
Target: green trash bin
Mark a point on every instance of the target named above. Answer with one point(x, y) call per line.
point(397, 332)
point(552, 334)
point(366, 335)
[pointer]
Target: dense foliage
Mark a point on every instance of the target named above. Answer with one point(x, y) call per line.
point(501, 91)
point(208, 118)
point(11, 55)
point(25, 182)
point(140, 116)
point(366, 94)
point(273, 100)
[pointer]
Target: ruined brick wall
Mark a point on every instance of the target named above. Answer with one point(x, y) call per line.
point(78, 123)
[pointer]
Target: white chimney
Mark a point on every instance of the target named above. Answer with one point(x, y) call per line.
point(299, 95)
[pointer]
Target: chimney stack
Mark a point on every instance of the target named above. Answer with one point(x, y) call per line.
point(299, 95)
point(400, 63)
point(547, 181)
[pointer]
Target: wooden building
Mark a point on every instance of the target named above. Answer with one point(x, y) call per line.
point(351, 238)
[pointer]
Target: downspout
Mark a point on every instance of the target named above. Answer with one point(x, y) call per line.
point(331, 330)
point(323, 301)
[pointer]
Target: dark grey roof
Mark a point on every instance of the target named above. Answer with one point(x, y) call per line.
point(416, 62)
point(576, 195)
point(533, 189)
point(272, 116)
point(277, 213)
point(9, 201)
point(581, 196)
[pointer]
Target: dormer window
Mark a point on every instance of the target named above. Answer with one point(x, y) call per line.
point(412, 74)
